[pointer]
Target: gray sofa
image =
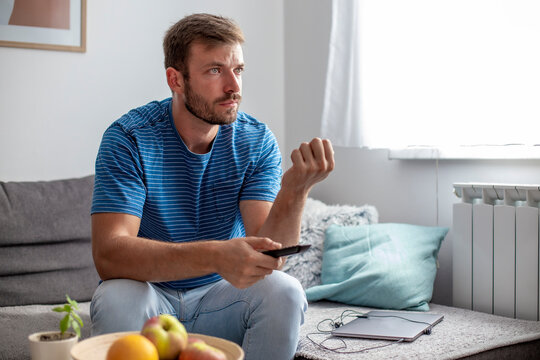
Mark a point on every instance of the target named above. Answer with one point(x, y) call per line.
point(45, 252)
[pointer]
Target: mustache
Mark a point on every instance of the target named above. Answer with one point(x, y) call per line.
point(235, 96)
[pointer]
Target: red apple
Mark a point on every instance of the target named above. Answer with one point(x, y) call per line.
point(193, 339)
point(168, 335)
point(197, 349)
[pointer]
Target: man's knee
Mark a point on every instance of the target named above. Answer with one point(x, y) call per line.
point(122, 305)
point(114, 294)
point(286, 292)
point(282, 307)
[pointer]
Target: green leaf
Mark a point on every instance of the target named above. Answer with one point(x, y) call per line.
point(64, 324)
point(64, 308)
point(77, 318)
point(72, 302)
point(76, 328)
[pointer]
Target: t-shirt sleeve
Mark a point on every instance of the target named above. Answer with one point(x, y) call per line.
point(265, 181)
point(118, 185)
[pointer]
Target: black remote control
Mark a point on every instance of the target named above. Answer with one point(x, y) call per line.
point(292, 250)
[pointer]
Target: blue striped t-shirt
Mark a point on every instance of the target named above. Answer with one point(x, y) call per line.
point(143, 168)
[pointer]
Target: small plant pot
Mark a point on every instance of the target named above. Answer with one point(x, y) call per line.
point(52, 349)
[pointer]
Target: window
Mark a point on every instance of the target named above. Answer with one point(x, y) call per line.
point(435, 73)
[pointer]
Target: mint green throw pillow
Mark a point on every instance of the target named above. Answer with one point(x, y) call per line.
point(389, 266)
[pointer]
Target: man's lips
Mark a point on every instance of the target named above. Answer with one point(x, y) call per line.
point(229, 103)
point(230, 100)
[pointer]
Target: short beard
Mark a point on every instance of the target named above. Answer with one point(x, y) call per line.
point(200, 107)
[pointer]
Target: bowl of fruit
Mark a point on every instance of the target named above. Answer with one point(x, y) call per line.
point(162, 337)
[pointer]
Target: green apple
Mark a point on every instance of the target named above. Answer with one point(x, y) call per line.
point(167, 334)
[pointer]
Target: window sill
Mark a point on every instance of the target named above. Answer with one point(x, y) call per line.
point(493, 152)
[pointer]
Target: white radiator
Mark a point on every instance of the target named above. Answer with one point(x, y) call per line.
point(495, 249)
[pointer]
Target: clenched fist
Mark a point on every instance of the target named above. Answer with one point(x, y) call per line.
point(312, 162)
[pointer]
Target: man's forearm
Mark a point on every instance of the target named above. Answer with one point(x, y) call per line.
point(148, 260)
point(285, 218)
point(312, 162)
point(237, 260)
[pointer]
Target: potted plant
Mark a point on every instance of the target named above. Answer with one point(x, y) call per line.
point(49, 345)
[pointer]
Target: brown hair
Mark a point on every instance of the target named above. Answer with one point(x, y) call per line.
point(206, 28)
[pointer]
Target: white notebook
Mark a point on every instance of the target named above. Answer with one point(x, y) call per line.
point(389, 325)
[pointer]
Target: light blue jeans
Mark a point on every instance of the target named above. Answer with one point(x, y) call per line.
point(264, 319)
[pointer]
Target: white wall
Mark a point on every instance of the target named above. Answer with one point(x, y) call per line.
point(54, 105)
point(409, 191)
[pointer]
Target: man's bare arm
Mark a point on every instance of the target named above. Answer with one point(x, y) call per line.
point(119, 253)
point(281, 221)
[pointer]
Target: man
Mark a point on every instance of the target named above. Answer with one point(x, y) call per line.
point(187, 195)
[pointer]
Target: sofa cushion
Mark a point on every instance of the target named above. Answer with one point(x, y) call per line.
point(317, 216)
point(45, 211)
point(45, 242)
point(391, 266)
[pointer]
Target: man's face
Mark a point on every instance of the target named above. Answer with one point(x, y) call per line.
point(213, 90)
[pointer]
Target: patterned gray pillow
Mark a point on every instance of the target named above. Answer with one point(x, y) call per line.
point(317, 216)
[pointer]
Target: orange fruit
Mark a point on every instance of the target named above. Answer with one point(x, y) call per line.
point(132, 347)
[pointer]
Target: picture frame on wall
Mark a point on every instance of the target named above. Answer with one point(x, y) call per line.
point(43, 24)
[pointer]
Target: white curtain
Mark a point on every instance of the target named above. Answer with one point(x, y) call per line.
point(437, 73)
point(341, 121)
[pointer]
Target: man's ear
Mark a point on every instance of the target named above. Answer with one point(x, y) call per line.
point(175, 80)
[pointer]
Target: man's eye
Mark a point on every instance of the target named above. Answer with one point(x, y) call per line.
point(214, 71)
point(239, 70)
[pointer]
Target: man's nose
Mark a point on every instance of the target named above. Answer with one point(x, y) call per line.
point(233, 83)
